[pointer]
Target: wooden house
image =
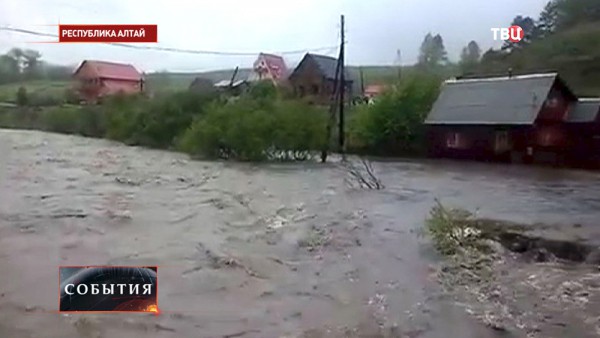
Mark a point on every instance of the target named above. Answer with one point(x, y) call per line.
point(314, 79)
point(513, 118)
point(98, 79)
point(270, 67)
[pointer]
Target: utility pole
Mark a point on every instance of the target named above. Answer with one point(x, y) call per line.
point(362, 82)
point(399, 63)
point(342, 88)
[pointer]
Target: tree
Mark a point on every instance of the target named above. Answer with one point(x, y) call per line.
point(394, 123)
point(432, 53)
point(469, 57)
point(22, 98)
point(9, 69)
point(31, 63)
point(529, 33)
point(548, 19)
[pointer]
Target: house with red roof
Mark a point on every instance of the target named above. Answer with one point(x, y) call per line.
point(98, 79)
point(374, 90)
point(270, 67)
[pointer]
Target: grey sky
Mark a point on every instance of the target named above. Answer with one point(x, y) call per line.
point(375, 28)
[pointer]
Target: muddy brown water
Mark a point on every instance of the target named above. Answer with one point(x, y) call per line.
point(297, 252)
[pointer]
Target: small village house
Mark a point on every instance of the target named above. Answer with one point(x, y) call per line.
point(98, 79)
point(270, 67)
point(513, 118)
point(314, 78)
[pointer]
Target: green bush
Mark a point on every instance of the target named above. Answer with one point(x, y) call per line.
point(44, 100)
point(121, 117)
point(255, 129)
point(62, 120)
point(393, 125)
point(22, 97)
point(451, 229)
point(153, 122)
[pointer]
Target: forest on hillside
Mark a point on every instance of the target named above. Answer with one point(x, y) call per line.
point(564, 38)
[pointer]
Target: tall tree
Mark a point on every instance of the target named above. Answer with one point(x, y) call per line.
point(469, 57)
point(529, 33)
point(548, 19)
point(432, 52)
point(31, 63)
point(9, 69)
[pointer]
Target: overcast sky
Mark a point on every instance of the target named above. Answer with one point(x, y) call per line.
point(375, 29)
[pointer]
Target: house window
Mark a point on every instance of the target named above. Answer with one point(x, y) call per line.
point(502, 140)
point(453, 140)
point(315, 89)
point(301, 91)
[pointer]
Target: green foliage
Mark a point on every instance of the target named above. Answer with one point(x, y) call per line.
point(263, 91)
point(432, 53)
point(167, 117)
point(67, 120)
point(469, 57)
point(22, 98)
point(71, 96)
point(122, 117)
point(394, 123)
point(255, 129)
point(451, 229)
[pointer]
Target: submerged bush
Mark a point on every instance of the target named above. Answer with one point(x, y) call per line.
point(451, 229)
point(256, 129)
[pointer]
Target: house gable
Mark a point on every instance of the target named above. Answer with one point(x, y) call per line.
point(557, 103)
point(269, 66)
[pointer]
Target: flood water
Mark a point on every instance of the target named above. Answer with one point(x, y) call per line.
point(308, 256)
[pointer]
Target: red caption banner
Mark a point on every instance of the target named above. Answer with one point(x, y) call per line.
point(108, 33)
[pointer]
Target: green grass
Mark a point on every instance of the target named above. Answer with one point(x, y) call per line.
point(8, 92)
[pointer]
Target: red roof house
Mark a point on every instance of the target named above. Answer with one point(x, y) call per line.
point(97, 79)
point(270, 67)
point(374, 90)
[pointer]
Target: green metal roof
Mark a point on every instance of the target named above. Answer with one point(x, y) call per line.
point(500, 100)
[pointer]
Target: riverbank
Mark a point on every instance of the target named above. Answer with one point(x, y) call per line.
point(531, 280)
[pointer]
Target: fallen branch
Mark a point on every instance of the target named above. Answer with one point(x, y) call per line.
point(363, 175)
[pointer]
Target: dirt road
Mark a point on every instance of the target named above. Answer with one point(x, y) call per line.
point(247, 250)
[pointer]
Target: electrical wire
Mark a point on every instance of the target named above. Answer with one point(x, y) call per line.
point(170, 49)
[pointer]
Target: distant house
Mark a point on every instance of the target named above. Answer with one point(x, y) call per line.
point(270, 67)
point(514, 118)
point(202, 85)
point(373, 91)
point(98, 79)
point(314, 77)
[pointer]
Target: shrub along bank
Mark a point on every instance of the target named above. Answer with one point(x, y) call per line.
point(259, 125)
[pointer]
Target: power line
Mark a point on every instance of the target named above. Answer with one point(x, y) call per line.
point(169, 49)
